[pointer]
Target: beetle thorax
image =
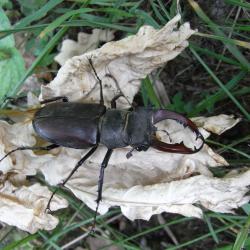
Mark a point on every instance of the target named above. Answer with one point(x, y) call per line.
point(120, 128)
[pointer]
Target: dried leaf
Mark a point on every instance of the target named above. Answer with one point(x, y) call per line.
point(217, 124)
point(127, 61)
point(85, 42)
point(24, 206)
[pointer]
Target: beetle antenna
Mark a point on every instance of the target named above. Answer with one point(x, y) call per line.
point(47, 148)
point(99, 80)
point(118, 87)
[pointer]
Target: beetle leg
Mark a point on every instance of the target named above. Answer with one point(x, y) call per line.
point(113, 101)
point(79, 163)
point(56, 98)
point(100, 184)
point(99, 80)
point(47, 148)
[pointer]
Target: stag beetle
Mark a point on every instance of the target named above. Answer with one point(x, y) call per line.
point(82, 126)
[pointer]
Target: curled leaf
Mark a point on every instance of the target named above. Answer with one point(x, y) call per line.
point(217, 124)
point(119, 65)
point(24, 206)
point(85, 42)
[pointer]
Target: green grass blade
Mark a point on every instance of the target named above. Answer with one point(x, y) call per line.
point(229, 148)
point(52, 43)
point(38, 14)
point(117, 12)
point(243, 4)
point(20, 243)
point(211, 229)
point(217, 56)
point(216, 79)
point(157, 12)
point(234, 143)
point(231, 47)
point(147, 19)
point(213, 99)
point(163, 9)
point(96, 24)
point(153, 229)
point(226, 216)
point(237, 27)
point(73, 226)
point(242, 236)
point(63, 18)
point(173, 8)
point(204, 236)
point(151, 93)
point(229, 247)
point(48, 241)
point(72, 23)
point(6, 32)
point(225, 40)
point(111, 3)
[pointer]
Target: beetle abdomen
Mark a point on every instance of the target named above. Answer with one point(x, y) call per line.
point(73, 125)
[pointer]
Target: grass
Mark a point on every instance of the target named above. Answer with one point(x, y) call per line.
point(227, 51)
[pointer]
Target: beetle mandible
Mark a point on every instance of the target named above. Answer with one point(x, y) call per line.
point(83, 126)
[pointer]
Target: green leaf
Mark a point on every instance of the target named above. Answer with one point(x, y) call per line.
point(11, 62)
point(31, 6)
point(7, 42)
point(6, 3)
point(178, 102)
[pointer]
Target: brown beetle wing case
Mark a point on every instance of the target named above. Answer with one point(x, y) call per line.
point(73, 125)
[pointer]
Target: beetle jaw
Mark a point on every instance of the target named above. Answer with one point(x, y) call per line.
point(163, 114)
